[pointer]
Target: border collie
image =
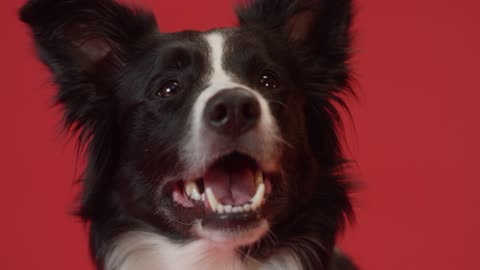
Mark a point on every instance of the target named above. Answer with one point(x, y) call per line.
point(206, 150)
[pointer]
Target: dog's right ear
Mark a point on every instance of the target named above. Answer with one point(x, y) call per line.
point(84, 42)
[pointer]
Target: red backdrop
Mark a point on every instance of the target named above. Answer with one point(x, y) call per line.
point(416, 139)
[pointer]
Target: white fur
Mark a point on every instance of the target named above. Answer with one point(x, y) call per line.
point(233, 239)
point(197, 150)
point(149, 251)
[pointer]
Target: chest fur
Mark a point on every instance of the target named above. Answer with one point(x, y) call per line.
point(148, 251)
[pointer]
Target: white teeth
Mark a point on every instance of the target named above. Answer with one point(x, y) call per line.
point(256, 201)
point(211, 199)
point(192, 191)
point(258, 197)
point(189, 187)
point(258, 177)
point(220, 208)
point(196, 194)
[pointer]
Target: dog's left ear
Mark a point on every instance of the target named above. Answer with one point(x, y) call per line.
point(321, 26)
point(86, 43)
point(83, 34)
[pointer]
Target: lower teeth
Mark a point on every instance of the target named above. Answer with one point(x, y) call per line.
point(256, 201)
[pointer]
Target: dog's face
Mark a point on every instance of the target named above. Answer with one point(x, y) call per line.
point(207, 120)
point(220, 135)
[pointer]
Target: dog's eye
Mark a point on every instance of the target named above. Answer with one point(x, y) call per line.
point(269, 80)
point(169, 89)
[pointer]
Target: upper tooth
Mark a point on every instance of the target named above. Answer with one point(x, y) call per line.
point(258, 177)
point(189, 188)
point(192, 191)
point(196, 194)
point(257, 198)
point(211, 199)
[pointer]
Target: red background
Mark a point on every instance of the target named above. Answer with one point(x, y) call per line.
point(416, 139)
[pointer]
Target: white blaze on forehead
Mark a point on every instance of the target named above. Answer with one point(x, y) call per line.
point(218, 79)
point(219, 76)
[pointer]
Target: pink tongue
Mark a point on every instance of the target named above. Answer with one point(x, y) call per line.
point(232, 182)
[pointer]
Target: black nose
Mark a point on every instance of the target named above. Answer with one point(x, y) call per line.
point(232, 112)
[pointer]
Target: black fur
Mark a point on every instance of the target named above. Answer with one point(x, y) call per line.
point(132, 137)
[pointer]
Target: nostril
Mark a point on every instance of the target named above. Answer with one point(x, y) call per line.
point(219, 115)
point(251, 110)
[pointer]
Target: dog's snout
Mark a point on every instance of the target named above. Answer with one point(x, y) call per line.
point(232, 112)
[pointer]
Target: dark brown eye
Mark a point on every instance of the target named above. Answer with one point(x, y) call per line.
point(269, 80)
point(169, 89)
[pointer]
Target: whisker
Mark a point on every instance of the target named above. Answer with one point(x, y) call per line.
point(282, 141)
point(248, 256)
point(278, 102)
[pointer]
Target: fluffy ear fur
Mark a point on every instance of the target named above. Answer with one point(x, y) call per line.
point(84, 32)
point(85, 43)
point(316, 21)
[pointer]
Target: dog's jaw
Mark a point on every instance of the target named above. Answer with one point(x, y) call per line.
point(232, 239)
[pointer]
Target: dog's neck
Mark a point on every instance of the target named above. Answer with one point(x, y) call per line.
point(149, 251)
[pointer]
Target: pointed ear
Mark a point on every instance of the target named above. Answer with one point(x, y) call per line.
point(316, 31)
point(84, 43)
point(312, 23)
point(84, 33)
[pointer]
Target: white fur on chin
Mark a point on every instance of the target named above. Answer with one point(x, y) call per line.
point(232, 239)
point(149, 251)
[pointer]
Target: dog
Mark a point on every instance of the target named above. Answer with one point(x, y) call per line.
point(206, 150)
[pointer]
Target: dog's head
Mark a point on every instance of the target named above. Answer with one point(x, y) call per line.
point(223, 135)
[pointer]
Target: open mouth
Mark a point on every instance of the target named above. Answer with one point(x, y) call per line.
point(231, 192)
